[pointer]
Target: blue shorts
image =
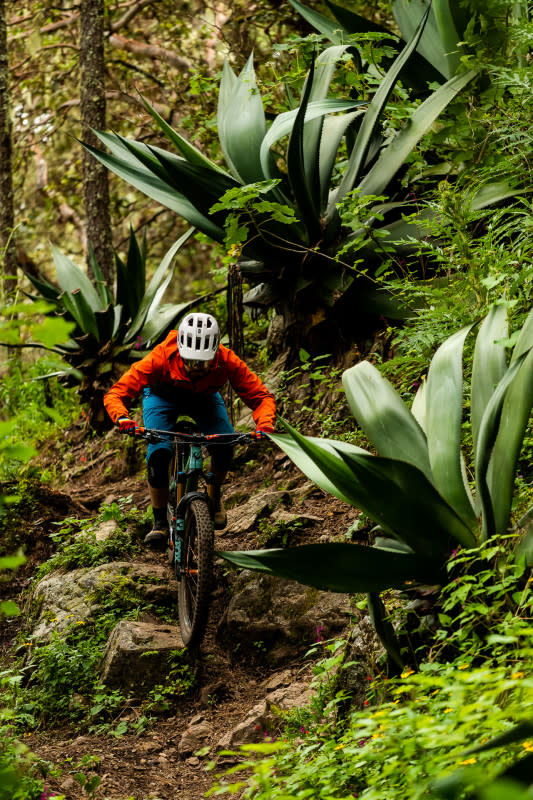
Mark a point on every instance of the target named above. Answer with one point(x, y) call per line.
point(208, 411)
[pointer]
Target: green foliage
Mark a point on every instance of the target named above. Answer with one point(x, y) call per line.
point(77, 545)
point(424, 733)
point(277, 208)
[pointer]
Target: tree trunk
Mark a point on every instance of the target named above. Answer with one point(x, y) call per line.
point(93, 115)
point(8, 255)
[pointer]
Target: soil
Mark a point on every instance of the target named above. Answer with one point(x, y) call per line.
point(149, 767)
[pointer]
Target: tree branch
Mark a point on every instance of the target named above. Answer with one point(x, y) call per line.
point(149, 51)
point(130, 13)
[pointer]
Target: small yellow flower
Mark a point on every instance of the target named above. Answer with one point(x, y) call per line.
point(407, 672)
point(517, 675)
point(468, 761)
point(448, 710)
point(235, 250)
point(435, 692)
point(528, 746)
point(463, 666)
point(80, 622)
point(28, 644)
point(339, 747)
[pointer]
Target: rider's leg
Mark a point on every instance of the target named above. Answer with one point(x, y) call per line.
point(160, 414)
point(211, 416)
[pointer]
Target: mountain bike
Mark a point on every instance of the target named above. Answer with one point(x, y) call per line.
point(190, 514)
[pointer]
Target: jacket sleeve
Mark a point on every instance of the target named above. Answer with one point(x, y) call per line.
point(252, 391)
point(143, 373)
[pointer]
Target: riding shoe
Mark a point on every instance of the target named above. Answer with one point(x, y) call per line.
point(158, 536)
point(221, 517)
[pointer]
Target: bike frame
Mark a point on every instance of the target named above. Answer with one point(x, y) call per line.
point(184, 482)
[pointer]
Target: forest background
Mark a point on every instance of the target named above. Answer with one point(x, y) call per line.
point(458, 208)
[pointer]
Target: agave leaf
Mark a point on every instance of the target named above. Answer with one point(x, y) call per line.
point(139, 176)
point(392, 158)
point(164, 318)
point(333, 30)
point(105, 324)
point(515, 414)
point(325, 67)
point(495, 490)
point(413, 510)
point(336, 566)
point(354, 23)
point(70, 278)
point(153, 286)
point(204, 187)
point(306, 199)
point(439, 43)
point(309, 466)
point(241, 123)
point(104, 291)
point(384, 417)
point(187, 150)
point(136, 267)
point(492, 193)
point(384, 627)
point(413, 507)
point(86, 315)
point(489, 364)
point(44, 287)
point(283, 124)
point(373, 114)
point(131, 278)
point(419, 405)
point(418, 72)
point(444, 410)
point(333, 130)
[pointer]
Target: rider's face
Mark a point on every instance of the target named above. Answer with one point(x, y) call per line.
point(195, 368)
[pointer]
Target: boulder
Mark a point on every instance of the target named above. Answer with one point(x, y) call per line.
point(138, 654)
point(279, 617)
point(62, 599)
point(245, 516)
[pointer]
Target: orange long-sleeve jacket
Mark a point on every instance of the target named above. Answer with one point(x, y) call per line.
point(164, 367)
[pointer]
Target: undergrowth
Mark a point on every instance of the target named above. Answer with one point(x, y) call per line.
point(429, 731)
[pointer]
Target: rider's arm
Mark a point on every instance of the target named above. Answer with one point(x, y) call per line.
point(252, 391)
point(143, 373)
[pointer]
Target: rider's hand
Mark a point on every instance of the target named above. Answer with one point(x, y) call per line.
point(127, 425)
point(260, 433)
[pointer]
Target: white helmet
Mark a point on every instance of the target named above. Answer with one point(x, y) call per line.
point(198, 337)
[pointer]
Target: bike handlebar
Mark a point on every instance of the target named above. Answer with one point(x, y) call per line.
point(153, 435)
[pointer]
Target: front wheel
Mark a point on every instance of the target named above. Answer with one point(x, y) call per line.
point(196, 574)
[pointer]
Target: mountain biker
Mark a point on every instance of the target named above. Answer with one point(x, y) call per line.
point(183, 376)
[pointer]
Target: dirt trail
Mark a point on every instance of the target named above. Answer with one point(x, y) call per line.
point(150, 766)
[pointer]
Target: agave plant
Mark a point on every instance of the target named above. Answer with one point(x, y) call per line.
point(439, 49)
point(416, 489)
point(111, 325)
point(294, 261)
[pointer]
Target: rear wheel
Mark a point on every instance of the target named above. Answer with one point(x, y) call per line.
point(197, 573)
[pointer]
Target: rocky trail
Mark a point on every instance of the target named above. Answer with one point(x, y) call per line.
point(251, 666)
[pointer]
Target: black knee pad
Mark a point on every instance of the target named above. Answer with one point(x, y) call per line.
point(221, 457)
point(158, 468)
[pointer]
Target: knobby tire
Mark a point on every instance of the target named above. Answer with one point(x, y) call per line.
point(197, 561)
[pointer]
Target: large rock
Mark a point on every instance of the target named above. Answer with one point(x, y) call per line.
point(62, 599)
point(138, 654)
point(245, 516)
point(280, 617)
